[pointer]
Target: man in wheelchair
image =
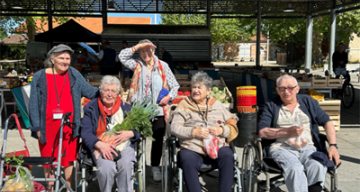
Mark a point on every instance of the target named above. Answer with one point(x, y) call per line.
point(196, 119)
point(113, 156)
point(292, 120)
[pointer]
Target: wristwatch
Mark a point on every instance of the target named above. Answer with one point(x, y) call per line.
point(333, 144)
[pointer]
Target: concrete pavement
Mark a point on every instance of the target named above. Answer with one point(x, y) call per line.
point(347, 139)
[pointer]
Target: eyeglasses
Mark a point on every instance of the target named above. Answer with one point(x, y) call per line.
point(282, 89)
point(112, 91)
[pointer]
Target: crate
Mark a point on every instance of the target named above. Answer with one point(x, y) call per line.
point(334, 83)
point(332, 108)
point(184, 83)
point(305, 84)
point(180, 77)
point(319, 83)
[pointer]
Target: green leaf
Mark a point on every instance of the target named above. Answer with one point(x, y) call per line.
point(139, 118)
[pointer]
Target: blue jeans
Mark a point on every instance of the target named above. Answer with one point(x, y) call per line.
point(191, 162)
point(299, 169)
point(341, 71)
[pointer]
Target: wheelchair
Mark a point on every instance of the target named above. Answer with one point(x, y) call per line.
point(172, 174)
point(86, 170)
point(261, 173)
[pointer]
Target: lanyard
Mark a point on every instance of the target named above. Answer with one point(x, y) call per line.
point(204, 114)
point(58, 96)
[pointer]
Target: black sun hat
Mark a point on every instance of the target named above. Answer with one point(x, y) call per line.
point(60, 48)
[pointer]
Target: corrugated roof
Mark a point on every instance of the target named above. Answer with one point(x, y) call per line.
point(15, 39)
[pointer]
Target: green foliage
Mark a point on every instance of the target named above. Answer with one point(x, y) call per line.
point(281, 30)
point(8, 24)
point(14, 160)
point(222, 30)
point(230, 30)
point(139, 118)
point(183, 19)
point(26, 24)
point(2, 34)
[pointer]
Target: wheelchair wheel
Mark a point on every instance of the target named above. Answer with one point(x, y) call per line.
point(250, 168)
point(169, 166)
point(348, 96)
point(140, 182)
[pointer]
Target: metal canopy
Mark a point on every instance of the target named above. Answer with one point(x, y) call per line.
point(215, 8)
point(256, 9)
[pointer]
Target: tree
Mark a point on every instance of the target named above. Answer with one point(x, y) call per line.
point(27, 24)
point(222, 30)
point(283, 32)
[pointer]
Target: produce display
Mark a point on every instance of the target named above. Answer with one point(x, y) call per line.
point(316, 95)
point(219, 91)
point(221, 94)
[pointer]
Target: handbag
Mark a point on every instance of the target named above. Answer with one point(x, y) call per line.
point(163, 92)
point(85, 157)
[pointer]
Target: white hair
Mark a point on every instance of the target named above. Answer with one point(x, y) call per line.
point(285, 76)
point(110, 80)
point(202, 77)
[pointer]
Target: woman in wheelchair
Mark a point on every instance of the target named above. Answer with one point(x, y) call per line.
point(103, 114)
point(204, 128)
point(292, 121)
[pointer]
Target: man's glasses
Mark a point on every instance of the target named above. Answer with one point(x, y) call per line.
point(282, 89)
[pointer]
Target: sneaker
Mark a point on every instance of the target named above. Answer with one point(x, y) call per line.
point(156, 172)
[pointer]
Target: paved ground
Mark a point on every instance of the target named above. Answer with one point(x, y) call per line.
point(348, 173)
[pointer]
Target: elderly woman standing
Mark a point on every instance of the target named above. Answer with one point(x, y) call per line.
point(103, 114)
point(57, 90)
point(152, 79)
point(196, 118)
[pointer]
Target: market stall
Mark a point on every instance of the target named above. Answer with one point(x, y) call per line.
point(219, 90)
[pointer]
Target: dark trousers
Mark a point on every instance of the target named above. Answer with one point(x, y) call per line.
point(158, 127)
point(191, 162)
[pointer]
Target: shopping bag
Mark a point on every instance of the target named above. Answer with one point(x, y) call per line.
point(211, 145)
point(20, 181)
point(85, 157)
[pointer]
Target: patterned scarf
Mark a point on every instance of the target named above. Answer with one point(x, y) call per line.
point(134, 86)
point(104, 112)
